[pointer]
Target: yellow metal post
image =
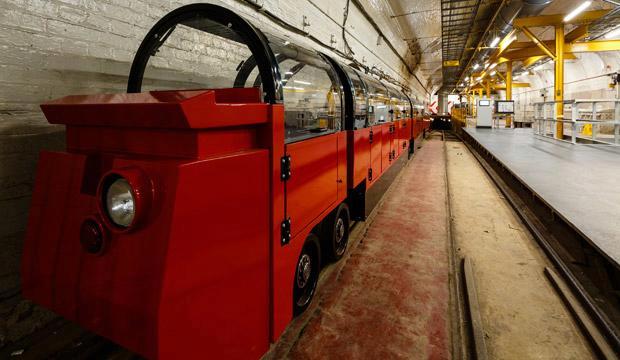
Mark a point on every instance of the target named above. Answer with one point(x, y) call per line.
point(488, 89)
point(559, 80)
point(508, 89)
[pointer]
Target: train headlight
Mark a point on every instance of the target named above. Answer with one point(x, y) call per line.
point(120, 203)
point(125, 197)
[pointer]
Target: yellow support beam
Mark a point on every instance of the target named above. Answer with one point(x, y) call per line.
point(520, 45)
point(506, 41)
point(578, 33)
point(593, 46)
point(538, 43)
point(558, 19)
point(508, 80)
point(559, 81)
point(488, 89)
point(514, 85)
point(499, 74)
point(502, 60)
point(533, 51)
point(482, 87)
point(531, 60)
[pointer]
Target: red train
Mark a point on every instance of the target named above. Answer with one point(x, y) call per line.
point(179, 222)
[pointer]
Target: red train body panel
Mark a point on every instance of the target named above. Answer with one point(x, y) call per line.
point(154, 309)
point(231, 189)
point(387, 139)
point(359, 155)
point(314, 188)
point(376, 154)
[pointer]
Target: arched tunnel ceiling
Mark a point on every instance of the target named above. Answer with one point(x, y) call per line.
point(421, 24)
point(418, 23)
point(485, 14)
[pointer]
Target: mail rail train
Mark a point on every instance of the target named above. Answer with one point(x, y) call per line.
point(185, 223)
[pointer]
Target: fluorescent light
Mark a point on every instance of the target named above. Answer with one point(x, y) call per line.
point(288, 73)
point(293, 88)
point(476, 66)
point(492, 66)
point(466, 78)
point(510, 40)
point(584, 5)
point(302, 82)
point(495, 42)
point(614, 33)
point(493, 73)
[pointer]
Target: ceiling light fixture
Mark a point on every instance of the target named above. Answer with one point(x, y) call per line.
point(571, 15)
point(495, 42)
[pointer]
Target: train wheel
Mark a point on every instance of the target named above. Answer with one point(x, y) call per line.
point(306, 274)
point(337, 234)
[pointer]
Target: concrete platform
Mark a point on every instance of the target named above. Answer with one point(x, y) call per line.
point(580, 182)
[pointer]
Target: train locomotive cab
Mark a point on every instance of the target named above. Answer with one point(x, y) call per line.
point(193, 213)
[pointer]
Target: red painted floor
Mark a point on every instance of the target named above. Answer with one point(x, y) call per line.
point(391, 298)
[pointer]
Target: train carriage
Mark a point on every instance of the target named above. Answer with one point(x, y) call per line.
point(179, 221)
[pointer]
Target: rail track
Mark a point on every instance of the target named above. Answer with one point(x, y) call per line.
point(580, 274)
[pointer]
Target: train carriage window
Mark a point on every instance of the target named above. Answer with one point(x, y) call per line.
point(312, 93)
point(311, 90)
point(195, 54)
point(378, 102)
point(397, 108)
point(312, 103)
point(359, 99)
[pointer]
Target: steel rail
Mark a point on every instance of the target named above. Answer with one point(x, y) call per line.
point(602, 320)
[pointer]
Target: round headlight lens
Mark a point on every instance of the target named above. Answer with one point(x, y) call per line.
point(120, 203)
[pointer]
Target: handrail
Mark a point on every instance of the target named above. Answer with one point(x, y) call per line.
point(252, 37)
point(546, 111)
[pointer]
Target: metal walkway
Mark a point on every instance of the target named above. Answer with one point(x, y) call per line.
point(579, 182)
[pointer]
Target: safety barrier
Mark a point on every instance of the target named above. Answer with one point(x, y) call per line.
point(588, 122)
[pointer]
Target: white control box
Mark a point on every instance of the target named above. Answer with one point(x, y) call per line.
point(484, 114)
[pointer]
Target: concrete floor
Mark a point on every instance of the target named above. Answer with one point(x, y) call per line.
point(522, 315)
point(390, 297)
